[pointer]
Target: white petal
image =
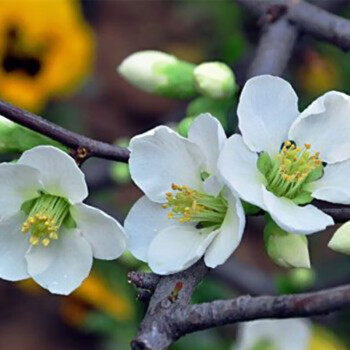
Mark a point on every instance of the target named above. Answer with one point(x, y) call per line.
point(207, 132)
point(161, 157)
point(69, 264)
point(213, 184)
point(143, 222)
point(334, 185)
point(176, 248)
point(18, 183)
point(229, 236)
point(104, 233)
point(267, 108)
point(325, 124)
point(13, 247)
point(238, 167)
point(289, 334)
point(59, 173)
point(293, 218)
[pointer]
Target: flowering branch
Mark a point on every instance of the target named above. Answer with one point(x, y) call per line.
point(82, 147)
point(167, 319)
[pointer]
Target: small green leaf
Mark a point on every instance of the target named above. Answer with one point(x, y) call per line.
point(315, 174)
point(264, 163)
point(250, 209)
point(303, 198)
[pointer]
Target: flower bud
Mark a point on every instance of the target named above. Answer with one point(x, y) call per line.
point(159, 73)
point(214, 80)
point(284, 248)
point(340, 241)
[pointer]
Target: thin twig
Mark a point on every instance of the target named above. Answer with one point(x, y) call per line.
point(82, 146)
point(309, 18)
point(245, 308)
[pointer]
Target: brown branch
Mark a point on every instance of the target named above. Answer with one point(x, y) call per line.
point(245, 308)
point(309, 18)
point(274, 49)
point(82, 146)
point(172, 292)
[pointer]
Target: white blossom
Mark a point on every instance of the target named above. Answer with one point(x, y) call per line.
point(284, 159)
point(186, 212)
point(289, 334)
point(46, 232)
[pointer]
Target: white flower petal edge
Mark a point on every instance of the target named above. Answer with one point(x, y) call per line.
point(293, 218)
point(325, 124)
point(334, 186)
point(267, 107)
point(175, 249)
point(70, 265)
point(161, 157)
point(13, 247)
point(286, 334)
point(104, 233)
point(143, 222)
point(229, 235)
point(18, 183)
point(59, 174)
point(238, 167)
point(207, 132)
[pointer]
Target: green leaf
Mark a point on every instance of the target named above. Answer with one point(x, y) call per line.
point(218, 108)
point(250, 209)
point(315, 174)
point(264, 163)
point(303, 198)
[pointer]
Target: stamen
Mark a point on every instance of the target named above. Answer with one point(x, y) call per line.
point(290, 169)
point(189, 205)
point(45, 218)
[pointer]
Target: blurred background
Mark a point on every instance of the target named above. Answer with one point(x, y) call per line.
point(58, 59)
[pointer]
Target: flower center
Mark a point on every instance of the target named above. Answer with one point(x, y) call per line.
point(189, 205)
point(45, 218)
point(20, 55)
point(293, 167)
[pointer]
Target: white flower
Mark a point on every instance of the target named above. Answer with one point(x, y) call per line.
point(46, 232)
point(214, 80)
point(289, 334)
point(185, 213)
point(284, 158)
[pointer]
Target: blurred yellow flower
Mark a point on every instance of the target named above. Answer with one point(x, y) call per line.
point(323, 339)
point(317, 74)
point(94, 293)
point(46, 49)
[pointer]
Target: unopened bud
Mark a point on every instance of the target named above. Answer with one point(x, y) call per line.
point(214, 80)
point(284, 248)
point(159, 73)
point(340, 241)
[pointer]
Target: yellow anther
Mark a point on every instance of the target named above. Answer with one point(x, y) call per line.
point(170, 215)
point(165, 206)
point(307, 145)
point(45, 242)
point(287, 143)
point(31, 220)
point(33, 240)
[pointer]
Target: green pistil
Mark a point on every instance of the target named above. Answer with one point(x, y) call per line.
point(45, 217)
point(290, 171)
point(189, 205)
